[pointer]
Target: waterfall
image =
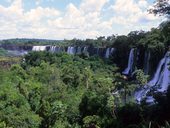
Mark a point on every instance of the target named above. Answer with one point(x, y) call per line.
point(129, 69)
point(157, 74)
point(85, 50)
point(164, 80)
point(109, 51)
point(146, 62)
point(160, 81)
point(79, 50)
point(39, 48)
point(52, 48)
point(112, 50)
point(55, 49)
point(58, 49)
point(71, 50)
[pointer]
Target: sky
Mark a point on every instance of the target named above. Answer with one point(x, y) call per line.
point(68, 19)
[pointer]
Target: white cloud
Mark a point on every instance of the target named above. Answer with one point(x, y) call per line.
point(125, 7)
point(132, 13)
point(39, 12)
point(143, 3)
point(83, 21)
point(92, 5)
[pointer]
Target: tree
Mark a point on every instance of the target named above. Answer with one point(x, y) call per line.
point(87, 76)
point(161, 7)
point(15, 110)
point(165, 29)
point(141, 77)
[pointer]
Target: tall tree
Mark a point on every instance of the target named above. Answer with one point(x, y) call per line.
point(161, 7)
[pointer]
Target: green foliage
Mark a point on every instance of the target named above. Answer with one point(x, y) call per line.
point(141, 78)
point(3, 52)
point(15, 110)
point(50, 90)
point(91, 121)
point(46, 90)
point(162, 7)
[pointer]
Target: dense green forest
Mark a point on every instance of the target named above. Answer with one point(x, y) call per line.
point(58, 90)
point(61, 90)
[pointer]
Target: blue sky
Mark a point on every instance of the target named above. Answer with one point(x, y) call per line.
point(67, 19)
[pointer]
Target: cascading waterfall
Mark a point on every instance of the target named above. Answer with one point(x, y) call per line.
point(55, 49)
point(52, 48)
point(112, 50)
point(157, 73)
point(58, 49)
point(85, 50)
point(160, 81)
point(146, 62)
point(129, 69)
point(78, 50)
point(71, 50)
point(39, 48)
point(164, 80)
point(109, 51)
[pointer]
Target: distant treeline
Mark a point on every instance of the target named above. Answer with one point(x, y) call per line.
point(155, 39)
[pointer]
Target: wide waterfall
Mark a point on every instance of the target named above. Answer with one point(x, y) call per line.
point(109, 51)
point(39, 48)
point(71, 50)
point(160, 81)
point(129, 69)
point(147, 62)
point(102, 52)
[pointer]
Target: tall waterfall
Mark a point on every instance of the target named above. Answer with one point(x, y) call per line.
point(39, 48)
point(129, 69)
point(146, 62)
point(109, 51)
point(157, 73)
point(164, 80)
point(160, 81)
point(71, 50)
point(85, 50)
point(112, 50)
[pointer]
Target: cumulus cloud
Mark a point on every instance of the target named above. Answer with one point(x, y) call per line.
point(83, 21)
point(130, 13)
point(143, 3)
